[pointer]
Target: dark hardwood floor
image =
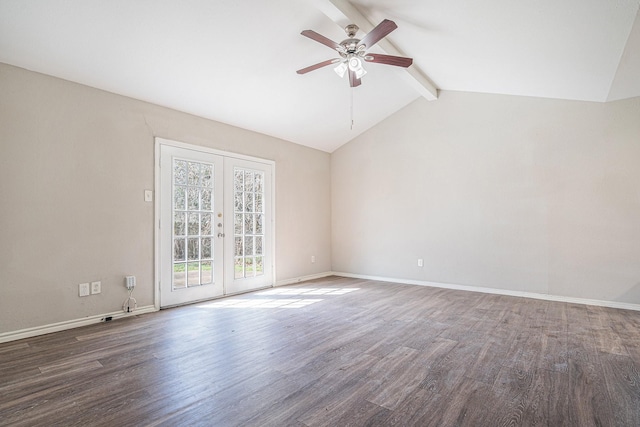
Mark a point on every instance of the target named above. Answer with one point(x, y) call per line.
point(335, 352)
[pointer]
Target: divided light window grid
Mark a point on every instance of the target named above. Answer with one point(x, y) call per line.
point(248, 223)
point(192, 223)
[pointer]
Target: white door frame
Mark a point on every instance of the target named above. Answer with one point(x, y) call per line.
point(156, 222)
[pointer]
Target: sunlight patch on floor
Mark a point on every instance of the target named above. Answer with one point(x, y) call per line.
point(308, 291)
point(261, 303)
point(282, 298)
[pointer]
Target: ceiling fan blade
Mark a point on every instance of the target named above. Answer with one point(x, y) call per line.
point(318, 65)
point(380, 31)
point(353, 80)
point(320, 39)
point(398, 61)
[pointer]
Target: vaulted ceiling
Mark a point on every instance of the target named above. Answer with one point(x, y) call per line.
point(235, 61)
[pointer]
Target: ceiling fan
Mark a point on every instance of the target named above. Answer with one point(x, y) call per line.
point(352, 52)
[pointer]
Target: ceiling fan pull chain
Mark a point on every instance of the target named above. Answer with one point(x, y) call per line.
point(351, 108)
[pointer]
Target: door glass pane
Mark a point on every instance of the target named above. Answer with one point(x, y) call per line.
point(180, 172)
point(248, 224)
point(248, 245)
point(192, 223)
point(178, 250)
point(179, 275)
point(258, 202)
point(238, 179)
point(194, 173)
point(259, 225)
point(248, 267)
point(238, 249)
point(206, 175)
point(258, 245)
point(206, 199)
point(259, 267)
point(248, 181)
point(178, 224)
point(179, 197)
point(206, 248)
point(248, 203)
point(193, 274)
point(193, 199)
point(248, 227)
point(238, 202)
point(205, 224)
point(206, 272)
point(238, 224)
point(238, 268)
point(193, 248)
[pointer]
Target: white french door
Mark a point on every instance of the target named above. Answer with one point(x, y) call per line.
point(215, 231)
point(249, 235)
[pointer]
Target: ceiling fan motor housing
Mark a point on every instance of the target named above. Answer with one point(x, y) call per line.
point(350, 45)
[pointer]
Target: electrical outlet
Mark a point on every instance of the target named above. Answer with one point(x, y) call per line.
point(313, 259)
point(130, 282)
point(96, 287)
point(83, 290)
point(420, 262)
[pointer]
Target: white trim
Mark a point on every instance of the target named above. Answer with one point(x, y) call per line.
point(523, 294)
point(158, 142)
point(305, 278)
point(70, 324)
point(212, 151)
point(156, 226)
point(273, 224)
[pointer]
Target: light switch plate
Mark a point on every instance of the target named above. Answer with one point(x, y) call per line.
point(96, 287)
point(148, 196)
point(83, 289)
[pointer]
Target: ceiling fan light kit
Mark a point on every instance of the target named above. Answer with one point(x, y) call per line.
point(352, 52)
point(341, 69)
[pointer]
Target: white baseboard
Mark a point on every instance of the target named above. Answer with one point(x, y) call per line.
point(75, 323)
point(69, 324)
point(548, 297)
point(303, 278)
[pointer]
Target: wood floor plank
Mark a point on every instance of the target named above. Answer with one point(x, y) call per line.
point(361, 412)
point(415, 409)
point(394, 377)
point(554, 349)
point(622, 379)
point(470, 404)
point(486, 364)
point(446, 375)
point(512, 390)
point(364, 353)
point(526, 350)
point(548, 400)
point(312, 401)
point(587, 406)
point(608, 341)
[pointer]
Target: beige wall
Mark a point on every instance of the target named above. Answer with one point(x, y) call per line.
point(74, 162)
point(514, 193)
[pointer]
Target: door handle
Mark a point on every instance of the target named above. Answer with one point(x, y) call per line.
point(220, 234)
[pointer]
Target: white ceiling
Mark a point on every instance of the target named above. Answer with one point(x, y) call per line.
point(234, 61)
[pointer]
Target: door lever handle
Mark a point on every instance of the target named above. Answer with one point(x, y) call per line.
point(220, 234)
